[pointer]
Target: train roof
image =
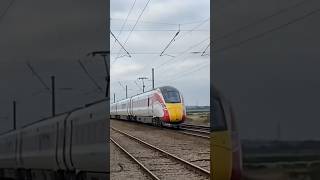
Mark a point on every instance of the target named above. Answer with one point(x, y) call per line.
point(161, 88)
point(51, 117)
point(168, 88)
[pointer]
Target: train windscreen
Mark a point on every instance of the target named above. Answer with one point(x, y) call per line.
point(170, 95)
point(219, 120)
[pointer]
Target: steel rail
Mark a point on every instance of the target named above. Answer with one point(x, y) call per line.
point(197, 135)
point(183, 132)
point(194, 167)
point(193, 126)
point(195, 130)
point(153, 176)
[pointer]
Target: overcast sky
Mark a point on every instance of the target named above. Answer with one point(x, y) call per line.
point(181, 66)
point(271, 79)
point(52, 36)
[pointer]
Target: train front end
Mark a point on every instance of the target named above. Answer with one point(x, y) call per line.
point(226, 155)
point(174, 111)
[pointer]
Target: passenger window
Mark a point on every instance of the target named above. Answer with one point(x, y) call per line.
point(218, 121)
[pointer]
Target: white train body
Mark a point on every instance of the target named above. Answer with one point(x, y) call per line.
point(62, 146)
point(161, 106)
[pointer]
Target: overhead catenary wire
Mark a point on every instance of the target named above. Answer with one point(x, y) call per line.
point(193, 29)
point(125, 21)
point(38, 76)
point(262, 34)
point(185, 74)
point(181, 61)
point(2, 15)
point(295, 20)
point(163, 30)
point(204, 51)
point(90, 77)
point(116, 39)
point(175, 73)
point(171, 41)
point(177, 56)
point(180, 53)
point(155, 52)
point(183, 52)
point(160, 23)
point(139, 17)
point(26, 97)
point(261, 20)
point(259, 35)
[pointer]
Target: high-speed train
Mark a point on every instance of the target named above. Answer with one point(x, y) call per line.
point(225, 146)
point(70, 145)
point(163, 106)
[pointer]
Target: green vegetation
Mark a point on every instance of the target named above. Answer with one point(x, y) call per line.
point(202, 118)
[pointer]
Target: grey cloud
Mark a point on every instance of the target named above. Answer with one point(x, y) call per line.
point(174, 12)
point(52, 36)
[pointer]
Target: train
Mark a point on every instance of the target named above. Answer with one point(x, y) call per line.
point(225, 146)
point(162, 106)
point(70, 145)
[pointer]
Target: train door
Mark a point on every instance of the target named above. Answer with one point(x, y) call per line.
point(67, 151)
point(116, 108)
point(128, 107)
point(152, 104)
point(221, 147)
point(61, 138)
point(131, 109)
point(149, 107)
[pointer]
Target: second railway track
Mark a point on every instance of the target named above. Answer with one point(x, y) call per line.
point(195, 130)
point(191, 129)
point(157, 163)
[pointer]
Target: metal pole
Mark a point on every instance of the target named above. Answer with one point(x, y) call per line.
point(53, 100)
point(126, 91)
point(14, 115)
point(108, 76)
point(114, 97)
point(152, 78)
point(143, 85)
point(107, 86)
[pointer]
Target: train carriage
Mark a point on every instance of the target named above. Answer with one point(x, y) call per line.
point(162, 106)
point(8, 149)
point(71, 145)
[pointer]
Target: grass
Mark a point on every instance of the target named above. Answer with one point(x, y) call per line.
point(198, 118)
point(305, 168)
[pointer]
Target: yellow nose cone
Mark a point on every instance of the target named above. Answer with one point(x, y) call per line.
point(175, 111)
point(221, 155)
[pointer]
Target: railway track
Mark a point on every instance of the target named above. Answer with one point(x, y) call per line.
point(195, 130)
point(157, 163)
point(192, 130)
